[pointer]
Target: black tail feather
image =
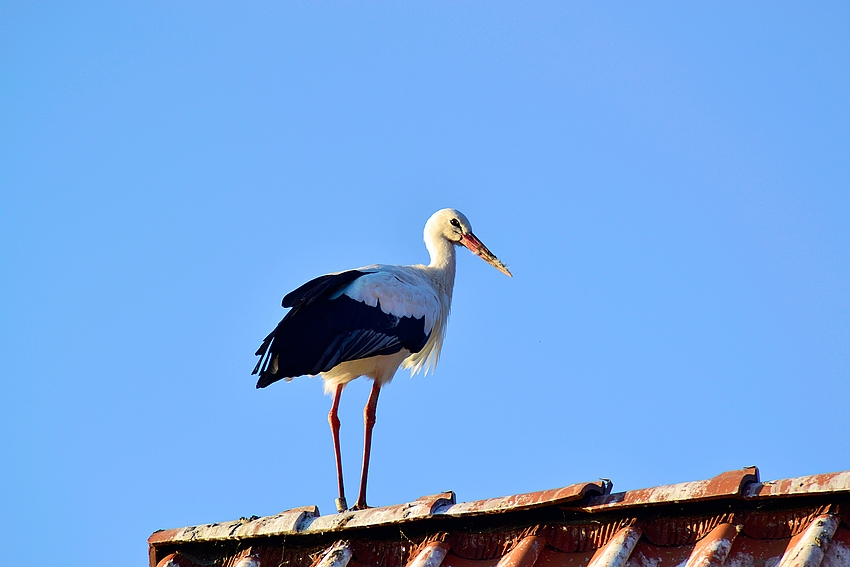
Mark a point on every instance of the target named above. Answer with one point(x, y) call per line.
point(263, 364)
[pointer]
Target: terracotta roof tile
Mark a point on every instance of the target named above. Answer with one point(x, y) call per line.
point(731, 483)
point(732, 519)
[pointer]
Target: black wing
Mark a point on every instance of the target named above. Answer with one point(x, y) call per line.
point(320, 287)
point(319, 332)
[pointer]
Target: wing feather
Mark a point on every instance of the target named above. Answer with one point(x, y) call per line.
point(335, 319)
point(320, 287)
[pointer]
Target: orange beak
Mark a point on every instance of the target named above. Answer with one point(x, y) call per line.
point(477, 247)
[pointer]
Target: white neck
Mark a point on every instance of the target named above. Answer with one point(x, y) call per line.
point(442, 261)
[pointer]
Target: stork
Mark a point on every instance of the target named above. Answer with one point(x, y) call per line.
point(368, 322)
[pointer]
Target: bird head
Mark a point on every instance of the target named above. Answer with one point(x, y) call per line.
point(453, 225)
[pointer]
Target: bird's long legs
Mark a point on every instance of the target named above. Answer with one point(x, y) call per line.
point(369, 421)
point(333, 419)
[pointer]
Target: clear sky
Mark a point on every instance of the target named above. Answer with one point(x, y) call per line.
point(669, 183)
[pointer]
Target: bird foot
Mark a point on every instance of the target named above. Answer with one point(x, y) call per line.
point(341, 504)
point(360, 506)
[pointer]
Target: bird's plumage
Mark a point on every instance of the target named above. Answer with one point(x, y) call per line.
point(353, 315)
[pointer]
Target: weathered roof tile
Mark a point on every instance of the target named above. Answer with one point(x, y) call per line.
point(732, 519)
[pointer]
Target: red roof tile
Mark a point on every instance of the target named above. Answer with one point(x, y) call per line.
point(732, 519)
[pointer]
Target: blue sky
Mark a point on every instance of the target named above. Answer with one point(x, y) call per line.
point(669, 183)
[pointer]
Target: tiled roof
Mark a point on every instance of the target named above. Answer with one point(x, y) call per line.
point(732, 519)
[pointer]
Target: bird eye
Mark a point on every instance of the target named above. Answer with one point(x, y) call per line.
point(455, 223)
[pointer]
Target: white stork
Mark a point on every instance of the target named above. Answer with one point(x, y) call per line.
point(368, 322)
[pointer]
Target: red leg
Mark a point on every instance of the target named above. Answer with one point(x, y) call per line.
point(369, 421)
point(333, 419)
